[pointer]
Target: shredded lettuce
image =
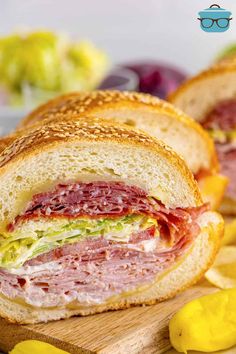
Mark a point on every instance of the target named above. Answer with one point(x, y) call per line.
point(33, 238)
point(223, 136)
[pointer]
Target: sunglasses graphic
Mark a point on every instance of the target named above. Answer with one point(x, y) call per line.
point(209, 22)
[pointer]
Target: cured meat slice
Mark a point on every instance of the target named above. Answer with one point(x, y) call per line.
point(223, 116)
point(98, 199)
point(89, 272)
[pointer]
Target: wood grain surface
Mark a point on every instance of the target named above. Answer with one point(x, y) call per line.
point(228, 351)
point(136, 330)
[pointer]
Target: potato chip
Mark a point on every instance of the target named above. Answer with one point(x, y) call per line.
point(230, 231)
point(223, 272)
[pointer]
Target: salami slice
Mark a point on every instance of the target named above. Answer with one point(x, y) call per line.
point(223, 116)
point(100, 199)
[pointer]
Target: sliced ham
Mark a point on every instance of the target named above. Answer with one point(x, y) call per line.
point(89, 272)
point(82, 247)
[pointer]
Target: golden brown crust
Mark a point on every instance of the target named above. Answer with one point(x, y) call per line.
point(215, 70)
point(82, 103)
point(77, 104)
point(4, 142)
point(215, 239)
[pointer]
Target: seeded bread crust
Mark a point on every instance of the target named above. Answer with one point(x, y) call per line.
point(97, 102)
point(81, 102)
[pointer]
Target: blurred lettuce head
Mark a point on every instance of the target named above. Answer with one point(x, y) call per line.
point(47, 61)
point(11, 61)
point(90, 62)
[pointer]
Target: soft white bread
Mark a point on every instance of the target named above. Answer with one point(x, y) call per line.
point(88, 148)
point(145, 112)
point(185, 273)
point(198, 95)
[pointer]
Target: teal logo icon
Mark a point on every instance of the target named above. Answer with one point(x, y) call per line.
point(215, 19)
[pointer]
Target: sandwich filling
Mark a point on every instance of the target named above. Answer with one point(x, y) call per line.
point(87, 242)
point(221, 123)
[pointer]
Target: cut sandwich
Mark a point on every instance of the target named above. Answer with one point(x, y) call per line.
point(210, 98)
point(97, 216)
point(152, 115)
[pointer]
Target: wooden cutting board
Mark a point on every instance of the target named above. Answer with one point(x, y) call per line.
point(136, 330)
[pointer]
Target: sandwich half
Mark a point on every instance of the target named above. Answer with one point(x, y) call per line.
point(210, 98)
point(96, 216)
point(152, 115)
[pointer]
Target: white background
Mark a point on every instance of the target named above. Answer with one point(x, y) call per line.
point(167, 30)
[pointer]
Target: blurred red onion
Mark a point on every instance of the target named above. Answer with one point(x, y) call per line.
point(154, 78)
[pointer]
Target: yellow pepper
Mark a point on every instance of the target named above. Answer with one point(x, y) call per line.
point(207, 324)
point(212, 189)
point(36, 347)
point(230, 231)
